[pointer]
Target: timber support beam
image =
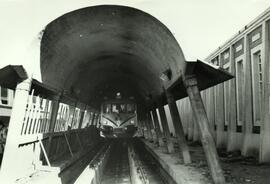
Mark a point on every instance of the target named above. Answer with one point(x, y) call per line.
point(178, 127)
point(165, 126)
point(203, 124)
point(157, 128)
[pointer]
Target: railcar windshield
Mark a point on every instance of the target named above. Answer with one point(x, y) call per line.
point(119, 108)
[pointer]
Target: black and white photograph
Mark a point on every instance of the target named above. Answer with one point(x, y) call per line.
point(134, 92)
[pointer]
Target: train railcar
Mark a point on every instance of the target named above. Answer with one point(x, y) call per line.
point(118, 118)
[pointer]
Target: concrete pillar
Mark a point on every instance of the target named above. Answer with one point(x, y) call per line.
point(157, 128)
point(265, 127)
point(190, 122)
point(183, 115)
point(248, 116)
point(165, 126)
point(12, 166)
point(211, 110)
point(219, 113)
point(196, 134)
point(203, 124)
point(178, 128)
point(232, 136)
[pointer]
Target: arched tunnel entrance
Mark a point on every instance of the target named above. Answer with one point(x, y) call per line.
point(90, 55)
point(95, 52)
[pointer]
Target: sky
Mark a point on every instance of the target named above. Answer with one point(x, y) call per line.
point(200, 26)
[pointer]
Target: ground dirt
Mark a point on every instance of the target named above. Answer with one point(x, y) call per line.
point(237, 169)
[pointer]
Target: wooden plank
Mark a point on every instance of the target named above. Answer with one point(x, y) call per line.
point(44, 152)
point(69, 147)
point(28, 109)
point(79, 141)
point(39, 116)
point(33, 116)
point(81, 118)
point(203, 124)
point(32, 131)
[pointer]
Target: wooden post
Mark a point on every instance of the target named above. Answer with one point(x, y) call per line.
point(81, 118)
point(145, 130)
point(55, 107)
point(71, 123)
point(178, 128)
point(150, 127)
point(93, 118)
point(97, 120)
point(190, 124)
point(165, 126)
point(157, 128)
point(68, 144)
point(12, 166)
point(203, 124)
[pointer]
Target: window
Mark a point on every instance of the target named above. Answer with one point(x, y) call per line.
point(115, 108)
point(226, 100)
point(130, 108)
point(240, 91)
point(4, 95)
point(215, 61)
point(212, 105)
point(122, 107)
point(257, 87)
point(215, 92)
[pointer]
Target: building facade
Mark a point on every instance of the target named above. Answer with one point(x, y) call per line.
point(238, 110)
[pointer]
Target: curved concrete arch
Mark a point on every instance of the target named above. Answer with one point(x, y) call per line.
point(101, 44)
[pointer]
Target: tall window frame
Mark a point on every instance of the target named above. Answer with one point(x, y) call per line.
point(240, 88)
point(226, 97)
point(257, 84)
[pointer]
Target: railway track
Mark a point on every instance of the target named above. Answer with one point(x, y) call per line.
point(117, 168)
point(129, 159)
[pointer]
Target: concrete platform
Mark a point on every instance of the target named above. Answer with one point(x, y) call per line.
point(173, 164)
